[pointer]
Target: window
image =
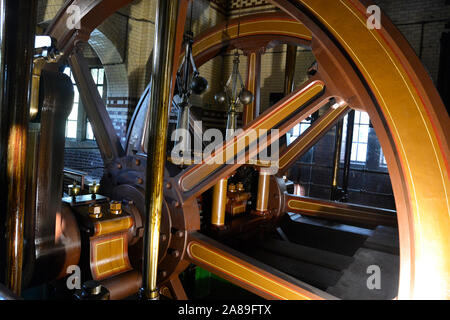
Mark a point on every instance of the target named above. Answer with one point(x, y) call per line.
point(72, 120)
point(298, 130)
point(98, 74)
point(360, 138)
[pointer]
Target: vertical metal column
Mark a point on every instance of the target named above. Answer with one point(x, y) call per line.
point(348, 154)
point(18, 23)
point(337, 159)
point(160, 101)
point(291, 57)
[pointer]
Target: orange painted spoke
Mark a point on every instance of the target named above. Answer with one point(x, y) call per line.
point(310, 137)
point(294, 106)
point(340, 211)
point(248, 273)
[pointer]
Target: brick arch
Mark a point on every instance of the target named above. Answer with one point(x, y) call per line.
point(117, 102)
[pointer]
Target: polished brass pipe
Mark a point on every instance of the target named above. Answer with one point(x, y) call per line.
point(337, 159)
point(291, 57)
point(262, 200)
point(219, 204)
point(19, 23)
point(160, 100)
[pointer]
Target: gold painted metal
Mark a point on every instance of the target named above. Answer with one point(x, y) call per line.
point(95, 211)
point(262, 201)
point(340, 211)
point(219, 204)
point(253, 71)
point(74, 189)
point(304, 142)
point(115, 207)
point(116, 224)
point(291, 57)
point(246, 275)
point(417, 152)
point(109, 256)
point(276, 26)
point(94, 187)
point(160, 102)
point(336, 160)
point(266, 121)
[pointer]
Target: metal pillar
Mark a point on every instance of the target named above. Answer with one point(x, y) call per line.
point(291, 57)
point(348, 154)
point(18, 20)
point(160, 101)
point(337, 159)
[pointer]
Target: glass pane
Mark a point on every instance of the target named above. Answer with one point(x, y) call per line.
point(364, 134)
point(357, 116)
point(101, 75)
point(100, 90)
point(71, 129)
point(355, 133)
point(67, 71)
point(365, 118)
point(354, 150)
point(74, 113)
point(304, 127)
point(296, 131)
point(89, 132)
point(362, 152)
point(76, 95)
point(94, 73)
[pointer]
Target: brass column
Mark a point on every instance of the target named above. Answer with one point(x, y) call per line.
point(18, 20)
point(253, 85)
point(160, 101)
point(291, 57)
point(262, 200)
point(336, 161)
point(219, 204)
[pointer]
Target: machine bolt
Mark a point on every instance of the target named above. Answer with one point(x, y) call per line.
point(95, 211)
point(174, 253)
point(140, 181)
point(119, 166)
point(163, 237)
point(168, 185)
point(179, 234)
point(138, 162)
point(115, 207)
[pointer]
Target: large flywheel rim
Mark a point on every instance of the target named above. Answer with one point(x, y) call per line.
point(410, 227)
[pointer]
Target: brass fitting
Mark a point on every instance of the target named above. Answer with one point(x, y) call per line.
point(95, 211)
point(94, 187)
point(232, 188)
point(115, 207)
point(74, 189)
point(240, 187)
